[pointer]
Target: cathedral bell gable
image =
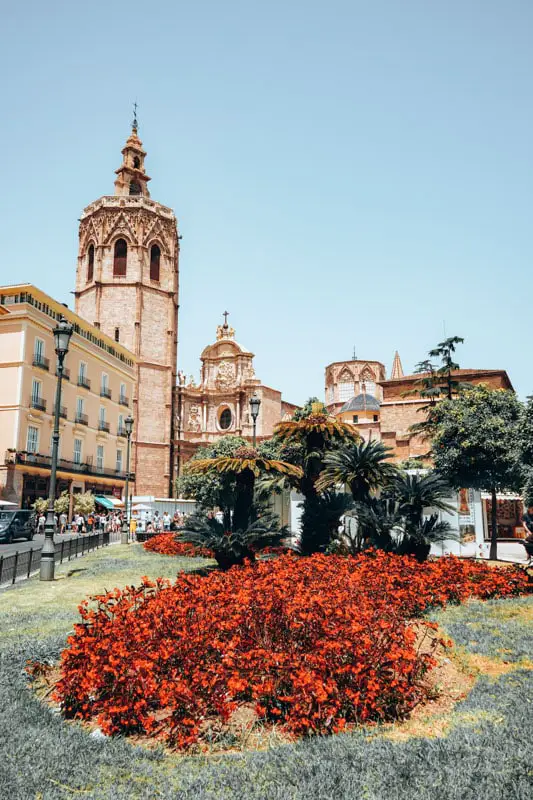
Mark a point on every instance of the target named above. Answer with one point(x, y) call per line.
point(131, 175)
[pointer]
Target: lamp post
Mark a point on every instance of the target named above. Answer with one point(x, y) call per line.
point(62, 333)
point(255, 402)
point(124, 536)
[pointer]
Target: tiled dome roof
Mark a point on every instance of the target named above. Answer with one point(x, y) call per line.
point(363, 402)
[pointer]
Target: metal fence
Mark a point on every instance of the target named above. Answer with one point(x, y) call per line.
point(24, 563)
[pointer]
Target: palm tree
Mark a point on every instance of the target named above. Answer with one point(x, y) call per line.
point(363, 466)
point(414, 494)
point(245, 465)
point(316, 434)
point(231, 548)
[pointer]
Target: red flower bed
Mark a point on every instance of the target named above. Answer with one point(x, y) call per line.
point(167, 544)
point(314, 643)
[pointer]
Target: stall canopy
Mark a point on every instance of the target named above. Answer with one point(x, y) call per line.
point(106, 502)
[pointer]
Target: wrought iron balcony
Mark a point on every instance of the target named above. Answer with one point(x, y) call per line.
point(105, 392)
point(66, 374)
point(123, 400)
point(41, 361)
point(63, 412)
point(87, 467)
point(122, 432)
point(38, 403)
point(82, 419)
point(103, 426)
point(83, 381)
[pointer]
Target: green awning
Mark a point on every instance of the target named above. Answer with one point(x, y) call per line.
point(105, 502)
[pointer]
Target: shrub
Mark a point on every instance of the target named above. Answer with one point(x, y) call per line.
point(313, 644)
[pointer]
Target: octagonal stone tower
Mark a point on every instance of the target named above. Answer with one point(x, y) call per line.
point(127, 284)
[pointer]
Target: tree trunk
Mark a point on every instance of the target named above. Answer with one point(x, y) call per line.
point(244, 500)
point(493, 555)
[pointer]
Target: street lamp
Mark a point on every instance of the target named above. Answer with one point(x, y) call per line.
point(124, 536)
point(255, 402)
point(62, 333)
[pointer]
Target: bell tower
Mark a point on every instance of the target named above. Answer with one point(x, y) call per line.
point(127, 284)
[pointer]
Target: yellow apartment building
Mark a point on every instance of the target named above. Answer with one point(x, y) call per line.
point(98, 387)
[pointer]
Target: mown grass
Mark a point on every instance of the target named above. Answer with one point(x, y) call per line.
point(487, 752)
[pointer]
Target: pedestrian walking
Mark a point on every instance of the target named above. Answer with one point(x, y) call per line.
point(166, 521)
point(63, 519)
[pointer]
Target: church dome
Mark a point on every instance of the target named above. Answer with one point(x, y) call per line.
point(362, 402)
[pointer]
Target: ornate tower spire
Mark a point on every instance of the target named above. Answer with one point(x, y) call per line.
point(131, 175)
point(397, 369)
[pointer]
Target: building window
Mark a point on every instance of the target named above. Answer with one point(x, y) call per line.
point(355, 418)
point(90, 263)
point(100, 456)
point(77, 451)
point(136, 162)
point(102, 415)
point(38, 354)
point(120, 257)
point(375, 417)
point(135, 187)
point(80, 407)
point(345, 390)
point(82, 373)
point(32, 441)
point(155, 258)
point(118, 464)
point(36, 391)
point(122, 395)
point(120, 426)
point(225, 419)
point(117, 334)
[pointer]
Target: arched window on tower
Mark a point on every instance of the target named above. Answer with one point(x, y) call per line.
point(90, 263)
point(155, 259)
point(136, 162)
point(120, 257)
point(135, 187)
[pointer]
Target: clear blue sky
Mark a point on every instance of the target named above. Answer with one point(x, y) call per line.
point(344, 173)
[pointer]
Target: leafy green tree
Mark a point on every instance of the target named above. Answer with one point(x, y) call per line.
point(444, 374)
point(40, 505)
point(364, 466)
point(84, 503)
point(476, 443)
point(61, 505)
point(206, 489)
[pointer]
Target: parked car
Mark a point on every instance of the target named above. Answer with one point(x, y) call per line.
point(17, 524)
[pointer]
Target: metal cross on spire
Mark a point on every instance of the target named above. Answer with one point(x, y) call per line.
point(225, 315)
point(354, 357)
point(134, 123)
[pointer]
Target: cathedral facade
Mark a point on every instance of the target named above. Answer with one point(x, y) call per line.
point(220, 403)
point(127, 284)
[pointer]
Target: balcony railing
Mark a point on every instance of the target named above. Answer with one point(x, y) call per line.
point(122, 432)
point(45, 461)
point(66, 374)
point(41, 361)
point(63, 412)
point(105, 392)
point(82, 419)
point(83, 381)
point(103, 426)
point(38, 403)
point(123, 400)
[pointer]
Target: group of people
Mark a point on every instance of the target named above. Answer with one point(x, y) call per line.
point(156, 523)
point(111, 522)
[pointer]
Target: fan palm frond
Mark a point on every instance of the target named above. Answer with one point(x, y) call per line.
point(363, 466)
